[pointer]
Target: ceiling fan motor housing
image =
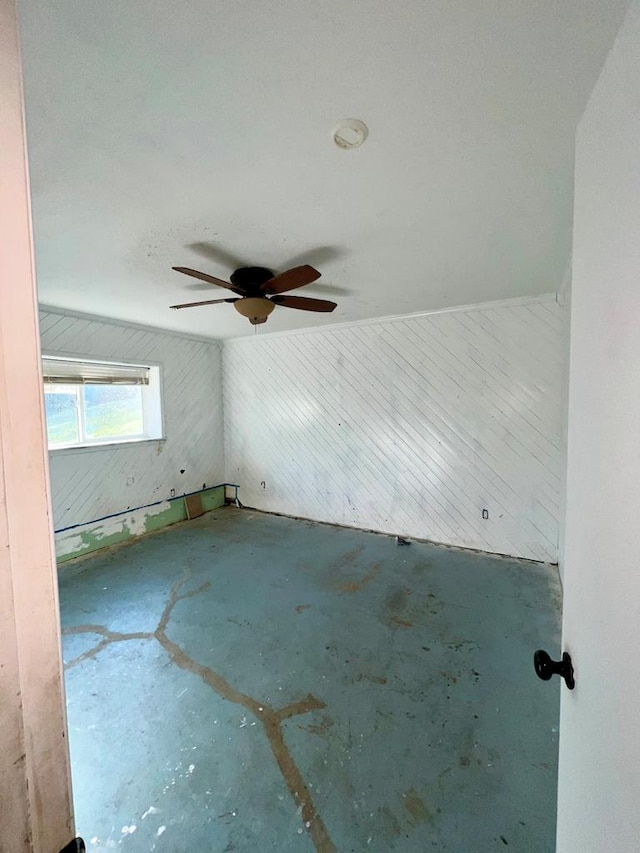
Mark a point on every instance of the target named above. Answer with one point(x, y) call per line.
point(251, 279)
point(255, 306)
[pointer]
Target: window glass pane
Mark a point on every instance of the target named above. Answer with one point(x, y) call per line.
point(112, 411)
point(60, 402)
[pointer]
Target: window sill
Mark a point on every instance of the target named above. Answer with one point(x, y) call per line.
point(103, 445)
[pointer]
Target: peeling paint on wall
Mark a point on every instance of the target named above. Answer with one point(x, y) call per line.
point(127, 525)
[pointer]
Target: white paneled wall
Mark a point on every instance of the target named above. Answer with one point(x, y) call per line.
point(89, 483)
point(409, 426)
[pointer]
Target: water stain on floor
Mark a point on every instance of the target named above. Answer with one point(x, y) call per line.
point(327, 694)
point(270, 718)
point(416, 807)
point(360, 583)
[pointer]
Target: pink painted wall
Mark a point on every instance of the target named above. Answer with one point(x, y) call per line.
point(35, 791)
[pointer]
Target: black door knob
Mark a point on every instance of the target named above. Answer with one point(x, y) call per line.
point(545, 667)
point(75, 846)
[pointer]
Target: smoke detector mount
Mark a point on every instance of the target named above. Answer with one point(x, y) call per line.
point(350, 133)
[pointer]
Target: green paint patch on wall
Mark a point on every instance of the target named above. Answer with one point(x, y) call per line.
point(128, 525)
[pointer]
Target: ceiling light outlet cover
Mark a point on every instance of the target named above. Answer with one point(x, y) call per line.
point(350, 133)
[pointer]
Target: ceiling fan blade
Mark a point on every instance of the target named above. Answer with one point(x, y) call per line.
point(217, 254)
point(206, 302)
point(317, 256)
point(290, 279)
point(203, 276)
point(304, 303)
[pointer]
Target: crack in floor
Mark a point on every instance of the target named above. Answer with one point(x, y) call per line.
point(271, 718)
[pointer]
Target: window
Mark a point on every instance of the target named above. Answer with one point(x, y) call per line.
point(91, 402)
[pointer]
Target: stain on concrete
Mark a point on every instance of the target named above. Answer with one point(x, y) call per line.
point(351, 556)
point(375, 679)
point(391, 821)
point(401, 623)
point(357, 585)
point(108, 638)
point(271, 718)
point(374, 743)
point(396, 603)
point(320, 728)
point(302, 607)
point(462, 645)
point(416, 807)
point(398, 599)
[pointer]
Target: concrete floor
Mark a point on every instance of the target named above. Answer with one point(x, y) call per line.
point(245, 682)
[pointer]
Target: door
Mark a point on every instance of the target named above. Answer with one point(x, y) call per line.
point(599, 770)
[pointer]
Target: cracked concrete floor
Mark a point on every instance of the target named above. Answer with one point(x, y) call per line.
point(245, 682)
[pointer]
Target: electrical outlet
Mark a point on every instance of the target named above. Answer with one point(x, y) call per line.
point(485, 514)
point(172, 493)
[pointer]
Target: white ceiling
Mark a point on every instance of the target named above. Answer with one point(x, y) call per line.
point(200, 134)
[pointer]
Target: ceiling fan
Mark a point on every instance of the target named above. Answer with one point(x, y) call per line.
point(259, 291)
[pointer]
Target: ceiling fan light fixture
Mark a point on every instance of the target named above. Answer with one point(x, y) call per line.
point(254, 307)
point(259, 291)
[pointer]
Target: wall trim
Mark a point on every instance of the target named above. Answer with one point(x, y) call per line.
point(329, 327)
point(372, 321)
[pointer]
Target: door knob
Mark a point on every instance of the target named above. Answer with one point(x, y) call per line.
point(75, 846)
point(545, 667)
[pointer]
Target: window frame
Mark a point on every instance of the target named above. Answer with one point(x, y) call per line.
point(152, 403)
